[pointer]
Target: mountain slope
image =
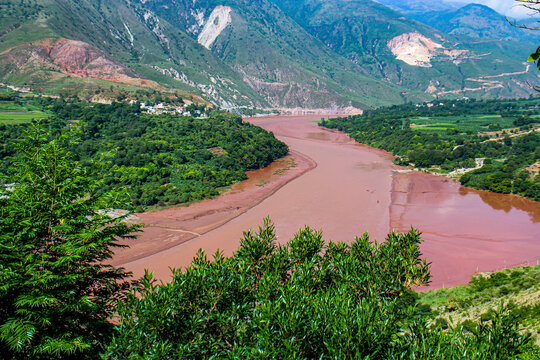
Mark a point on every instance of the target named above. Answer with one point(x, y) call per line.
point(406, 52)
point(259, 56)
point(311, 54)
point(278, 58)
point(477, 21)
point(61, 58)
point(411, 7)
point(132, 36)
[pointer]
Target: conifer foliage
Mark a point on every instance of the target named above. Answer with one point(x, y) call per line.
point(56, 296)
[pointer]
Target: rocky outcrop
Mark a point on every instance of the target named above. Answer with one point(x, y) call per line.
point(417, 50)
point(414, 49)
point(81, 59)
point(219, 19)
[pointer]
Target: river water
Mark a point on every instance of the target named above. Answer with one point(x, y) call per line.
point(355, 189)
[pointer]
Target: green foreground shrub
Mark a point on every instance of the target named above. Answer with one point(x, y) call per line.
point(302, 300)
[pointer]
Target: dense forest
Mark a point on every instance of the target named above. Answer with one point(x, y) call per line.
point(304, 299)
point(158, 159)
point(450, 135)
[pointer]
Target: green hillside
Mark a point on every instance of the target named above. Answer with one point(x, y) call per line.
point(477, 21)
point(284, 63)
point(279, 65)
point(473, 20)
point(157, 159)
point(517, 288)
point(280, 54)
point(158, 51)
point(411, 7)
point(362, 30)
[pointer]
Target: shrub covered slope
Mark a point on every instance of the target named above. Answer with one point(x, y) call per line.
point(159, 159)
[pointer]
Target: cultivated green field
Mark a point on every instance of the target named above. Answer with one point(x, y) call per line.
point(12, 113)
point(464, 123)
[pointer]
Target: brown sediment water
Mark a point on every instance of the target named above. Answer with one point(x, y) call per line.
point(466, 231)
point(345, 189)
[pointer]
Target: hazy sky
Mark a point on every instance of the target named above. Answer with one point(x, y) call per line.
point(507, 7)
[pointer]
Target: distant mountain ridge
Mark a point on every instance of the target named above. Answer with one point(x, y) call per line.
point(409, 7)
point(403, 51)
point(323, 55)
point(477, 21)
point(468, 19)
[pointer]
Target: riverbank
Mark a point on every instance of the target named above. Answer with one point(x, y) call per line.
point(166, 228)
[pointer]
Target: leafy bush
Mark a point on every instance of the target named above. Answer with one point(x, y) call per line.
point(301, 300)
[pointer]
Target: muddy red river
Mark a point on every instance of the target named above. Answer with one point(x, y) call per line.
point(344, 189)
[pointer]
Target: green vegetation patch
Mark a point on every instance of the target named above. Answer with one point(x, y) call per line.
point(158, 159)
point(13, 118)
point(476, 123)
point(13, 111)
point(303, 299)
point(517, 288)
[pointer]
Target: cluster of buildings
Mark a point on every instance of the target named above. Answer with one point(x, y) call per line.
point(162, 108)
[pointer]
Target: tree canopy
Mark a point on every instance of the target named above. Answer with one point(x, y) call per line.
point(160, 159)
point(303, 299)
point(56, 294)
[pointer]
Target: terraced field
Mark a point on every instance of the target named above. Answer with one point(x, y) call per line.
point(13, 114)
